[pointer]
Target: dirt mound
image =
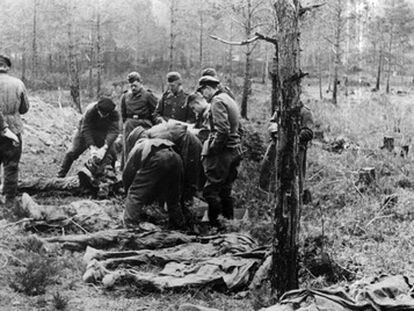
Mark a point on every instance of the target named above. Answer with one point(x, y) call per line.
point(48, 133)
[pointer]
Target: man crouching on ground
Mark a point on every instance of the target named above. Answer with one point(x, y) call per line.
point(153, 173)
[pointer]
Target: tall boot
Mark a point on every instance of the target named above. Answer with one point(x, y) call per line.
point(214, 210)
point(228, 207)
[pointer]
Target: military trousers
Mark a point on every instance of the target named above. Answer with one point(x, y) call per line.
point(220, 171)
point(9, 158)
point(158, 180)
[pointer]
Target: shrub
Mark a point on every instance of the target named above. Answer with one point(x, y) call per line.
point(33, 278)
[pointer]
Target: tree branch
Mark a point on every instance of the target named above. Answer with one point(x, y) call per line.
point(244, 42)
point(303, 10)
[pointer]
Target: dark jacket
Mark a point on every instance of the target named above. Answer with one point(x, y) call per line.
point(173, 106)
point(139, 106)
point(224, 124)
point(13, 103)
point(96, 130)
point(140, 153)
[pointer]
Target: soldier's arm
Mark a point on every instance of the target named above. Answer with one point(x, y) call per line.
point(24, 101)
point(113, 130)
point(152, 102)
point(123, 108)
point(159, 109)
point(221, 126)
point(86, 127)
point(131, 167)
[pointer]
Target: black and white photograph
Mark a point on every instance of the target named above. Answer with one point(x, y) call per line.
point(206, 155)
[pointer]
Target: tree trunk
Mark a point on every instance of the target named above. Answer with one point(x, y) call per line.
point(172, 34)
point(246, 85)
point(378, 82)
point(99, 52)
point(90, 65)
point(201, 39)
point(24, 67)
point(265, 67)
point(320, 76)
point(34, 39)
point(73, 69)
point(284, 272)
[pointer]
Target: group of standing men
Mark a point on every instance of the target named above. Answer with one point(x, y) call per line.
point(172, 147)
point(167, 155)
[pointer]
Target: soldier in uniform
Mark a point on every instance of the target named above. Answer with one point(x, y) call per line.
point(221, 151)
point(201, 108)
point(213, 73)
point(137, 105)
point(172, 104)
point(187, 145)
point(153, 173)
point(13, 103)
point(98, 129)
point(267, 172)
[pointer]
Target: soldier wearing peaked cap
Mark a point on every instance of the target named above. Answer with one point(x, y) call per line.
point(221, 151)
point(13, 103)
point(172, 104)
point(213, 73)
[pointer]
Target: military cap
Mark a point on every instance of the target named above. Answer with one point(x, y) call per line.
point(106, 105)
point(209, 72)
point(5, 60)
point(173, 76)
point(207, 81)
point(134, 76)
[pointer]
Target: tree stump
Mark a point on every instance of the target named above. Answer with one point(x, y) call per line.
point(319, 135)
point(388, 143)
point(404, 150)
point(366, 176)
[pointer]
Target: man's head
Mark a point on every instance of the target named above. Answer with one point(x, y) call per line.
point(209, 72)
point(105, 106)
point(197, 103)
point(174, 81)
point(135, 81)
point(5, 63)
point(208, 86)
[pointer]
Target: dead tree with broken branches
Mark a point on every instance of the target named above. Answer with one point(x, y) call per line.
point(286, 90)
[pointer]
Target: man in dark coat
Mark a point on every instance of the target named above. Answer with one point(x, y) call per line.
point(172, 104)
point(98, 129)
point(137, 105)
point(153, 173)
point(221, 151)
point(187, 145)
point(13, 103)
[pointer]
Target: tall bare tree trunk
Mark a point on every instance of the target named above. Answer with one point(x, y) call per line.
point(337, 47)
point(24, 66)
point(246, 85)
point(99, 51)
point(320, 76)
point(73, 68)
point(286, 76)
point(34, 39)
point(90, 63)
point(378, 82)
point(172, 33)
point(249, 49)
point(230, 64)
point(201, 39)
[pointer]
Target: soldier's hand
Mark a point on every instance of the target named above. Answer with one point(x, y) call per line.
point(10, 135)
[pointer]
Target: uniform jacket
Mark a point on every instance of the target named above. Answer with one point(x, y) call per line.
point(174, 107)
point(140, 106)
point(224, 124)
point(96, 130)
point(140, 153)
point(13, 102)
